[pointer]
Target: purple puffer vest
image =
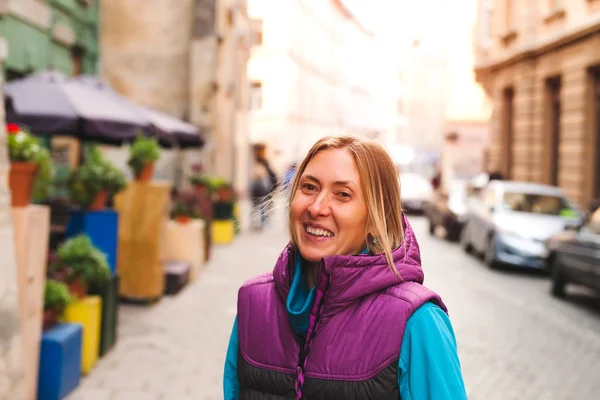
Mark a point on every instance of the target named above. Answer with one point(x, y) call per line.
point(355, 333)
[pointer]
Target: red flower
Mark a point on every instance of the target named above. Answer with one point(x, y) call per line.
point(12, 129)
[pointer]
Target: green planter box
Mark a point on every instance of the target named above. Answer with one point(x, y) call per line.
point(110, 313)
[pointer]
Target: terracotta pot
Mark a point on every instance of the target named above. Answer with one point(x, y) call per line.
point(50, 319)
point(183, 219)
point(225, 194)
point(99, 201)
point(146, 173)
point(78, 288)
point(20, 180)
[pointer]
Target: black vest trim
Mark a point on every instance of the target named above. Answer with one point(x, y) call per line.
point(262, 384)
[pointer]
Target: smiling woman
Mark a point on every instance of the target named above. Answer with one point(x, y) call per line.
point(344, 314)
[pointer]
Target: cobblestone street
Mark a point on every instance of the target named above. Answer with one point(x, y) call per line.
point(515, 340)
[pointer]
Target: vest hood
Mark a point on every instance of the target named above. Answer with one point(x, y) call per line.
point(352, 277)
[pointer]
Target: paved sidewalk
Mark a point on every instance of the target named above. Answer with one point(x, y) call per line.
point(176, 348)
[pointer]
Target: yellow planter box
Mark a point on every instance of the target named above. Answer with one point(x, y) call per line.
point(87, 312)
point(222, 231)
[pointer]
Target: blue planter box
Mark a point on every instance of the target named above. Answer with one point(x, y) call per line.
point(60, 361)
point(102, 227)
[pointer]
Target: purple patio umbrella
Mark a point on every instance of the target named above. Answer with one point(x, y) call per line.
point(168, 129)
point(51, 103)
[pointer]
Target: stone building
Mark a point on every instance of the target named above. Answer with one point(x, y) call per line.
point(539, 61)
point(314, 70)
point(188, 61)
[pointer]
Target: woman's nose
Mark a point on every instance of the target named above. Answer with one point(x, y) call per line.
point(320, 207)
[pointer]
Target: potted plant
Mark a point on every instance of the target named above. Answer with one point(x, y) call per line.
point(80, 264)
point(184, 207)
point(143, 153)
point(56, 300)
point(91, 183)
point(27, 157)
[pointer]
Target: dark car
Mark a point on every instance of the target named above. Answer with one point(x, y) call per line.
point(574, 256)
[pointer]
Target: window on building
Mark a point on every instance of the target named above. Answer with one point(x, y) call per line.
point(596, 118)
point(257, 32)
point(507, 131)
point(553, 118)
point(255, 96)
point(77, 61)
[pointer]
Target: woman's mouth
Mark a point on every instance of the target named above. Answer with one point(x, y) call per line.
point(317, 232)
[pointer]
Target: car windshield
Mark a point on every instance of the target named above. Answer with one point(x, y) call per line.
point(538, 204)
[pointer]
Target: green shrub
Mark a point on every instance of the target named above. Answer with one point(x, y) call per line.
point(93, 176)
point(83, 260)
point(56, 296)
point(142, 151)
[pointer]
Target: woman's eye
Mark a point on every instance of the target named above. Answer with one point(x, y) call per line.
point(309, 187)
point(345, 195)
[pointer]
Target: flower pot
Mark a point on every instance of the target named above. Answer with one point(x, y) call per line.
point(225, 195)
point(78, 288)
point(146, 173)
point(20, 180)
point(183, 219)
point(50, 319)
point(99, 201)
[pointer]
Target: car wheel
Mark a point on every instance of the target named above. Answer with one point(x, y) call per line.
point(490, 253)
point(558, 280)
point(452, 232)
point(464, 241)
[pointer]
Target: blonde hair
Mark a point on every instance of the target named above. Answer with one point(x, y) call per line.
point(381, 188)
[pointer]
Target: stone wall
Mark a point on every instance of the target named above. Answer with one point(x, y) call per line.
point(145, 51)
point(11, 374)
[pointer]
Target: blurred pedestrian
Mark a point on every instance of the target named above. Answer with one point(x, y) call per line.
point(259, 188)
point(289, 175)
point(344, 314)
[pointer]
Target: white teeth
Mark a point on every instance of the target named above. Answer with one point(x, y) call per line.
point(318, 232)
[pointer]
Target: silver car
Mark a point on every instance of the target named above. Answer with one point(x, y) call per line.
point(509, 222)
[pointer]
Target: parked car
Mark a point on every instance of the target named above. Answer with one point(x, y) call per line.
point(509, 222)
point(448, 209)
point(574, 256)
point(415, 190)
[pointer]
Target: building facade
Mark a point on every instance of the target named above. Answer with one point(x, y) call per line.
point(540, 64)
point(53, 34)
point(188, 61)
point(314, 71)
point(467, 106)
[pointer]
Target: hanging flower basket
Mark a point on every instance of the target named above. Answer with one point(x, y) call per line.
point(20, 180)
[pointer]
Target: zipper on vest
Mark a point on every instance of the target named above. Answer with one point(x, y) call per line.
point(304, 343)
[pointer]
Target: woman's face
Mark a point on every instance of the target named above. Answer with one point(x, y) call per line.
point(329, 213)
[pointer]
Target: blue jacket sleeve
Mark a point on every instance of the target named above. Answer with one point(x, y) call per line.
point(231, 385)
point(429, 367)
